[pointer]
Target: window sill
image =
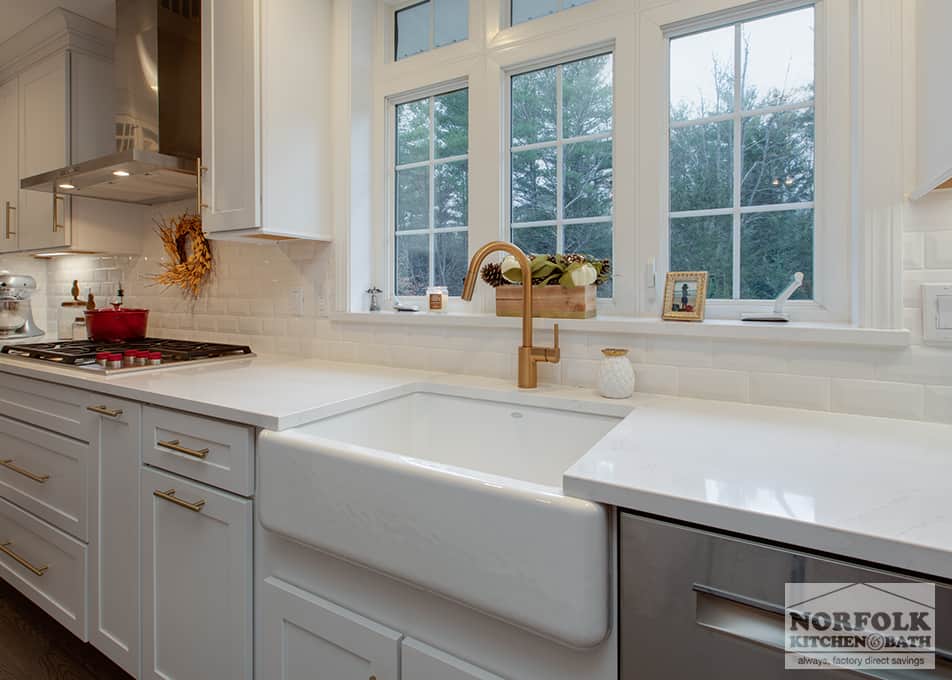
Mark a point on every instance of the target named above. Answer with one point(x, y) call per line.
point(800, 332)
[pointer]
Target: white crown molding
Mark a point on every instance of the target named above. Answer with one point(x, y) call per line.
point(56, 31)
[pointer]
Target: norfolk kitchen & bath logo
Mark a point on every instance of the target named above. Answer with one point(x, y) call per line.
point(859, 626)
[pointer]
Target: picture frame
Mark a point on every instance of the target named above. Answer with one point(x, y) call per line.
point(684, 296)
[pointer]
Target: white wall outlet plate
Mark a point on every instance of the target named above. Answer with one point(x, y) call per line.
point(937, 313)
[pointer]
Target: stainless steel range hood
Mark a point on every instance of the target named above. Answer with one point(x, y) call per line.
point(159, 114)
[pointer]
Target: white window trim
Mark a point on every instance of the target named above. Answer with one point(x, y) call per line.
point(860, 137)
point(431, 230)
point(831, 235)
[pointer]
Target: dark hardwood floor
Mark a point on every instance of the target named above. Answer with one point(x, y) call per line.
point(35, 647)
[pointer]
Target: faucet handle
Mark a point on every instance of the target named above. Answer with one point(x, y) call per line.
point(555, 335)
point(553, 354)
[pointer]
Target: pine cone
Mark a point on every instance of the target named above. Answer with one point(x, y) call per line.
point(491, 273)
point(573, 258)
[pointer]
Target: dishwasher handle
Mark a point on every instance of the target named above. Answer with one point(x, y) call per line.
point(763, 623)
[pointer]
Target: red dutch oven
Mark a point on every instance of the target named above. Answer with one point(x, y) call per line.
point(113, 325)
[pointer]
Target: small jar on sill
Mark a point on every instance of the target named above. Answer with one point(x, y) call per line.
point(437, 298)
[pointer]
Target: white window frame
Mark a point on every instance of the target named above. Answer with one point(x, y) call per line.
point(559, 143)
point(831, 265)
point(400, 5)
point(431, 230)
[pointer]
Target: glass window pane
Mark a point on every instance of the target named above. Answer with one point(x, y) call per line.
point(587, 97)
point(702, 74)
point(778, 59)
point(451, 198)
point(413, 30)
point(587, 188)
point(773, 247)
point(778, 158)
point(535, 240)
point(413, 197)
point(533, 185)
point(413, 132)
point(526, 10)
point(533, 107)
point(594, 240)
point(413, 264)
point(701, 161)
point(451, 124)
point(705, 244)
point(450, 260)
point(450, 21)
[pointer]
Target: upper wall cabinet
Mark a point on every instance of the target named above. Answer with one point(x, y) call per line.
point(934, 149)
point(266, 119)
point(56, 108)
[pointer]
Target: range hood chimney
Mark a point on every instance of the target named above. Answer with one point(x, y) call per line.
point(159, 115)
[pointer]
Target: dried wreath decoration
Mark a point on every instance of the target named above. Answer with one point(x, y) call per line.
point(189, 253)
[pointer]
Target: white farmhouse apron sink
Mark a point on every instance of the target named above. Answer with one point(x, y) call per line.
point(457, 491)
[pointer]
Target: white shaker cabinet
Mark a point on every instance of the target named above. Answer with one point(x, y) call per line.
point(9, 164)
point(420, 661)
point(266, 119)
point(305, 637)
point(196, 580)
point(934, 96)
point(114, 540)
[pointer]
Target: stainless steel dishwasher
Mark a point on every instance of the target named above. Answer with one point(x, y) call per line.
point(697, 604)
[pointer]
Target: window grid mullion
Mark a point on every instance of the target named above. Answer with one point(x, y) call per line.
point(431, 178)
point(559, 164)
point(763, 111)
point(738, 159)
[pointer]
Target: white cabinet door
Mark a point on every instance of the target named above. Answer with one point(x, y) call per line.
point(9, 165)
point(114, 538)
point(196, 581)
point(304, 637)
point(422, 662)
point(934, 97)
point(229, 115)
point(44, 146)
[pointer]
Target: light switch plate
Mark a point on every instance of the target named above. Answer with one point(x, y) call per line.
point(937, 313)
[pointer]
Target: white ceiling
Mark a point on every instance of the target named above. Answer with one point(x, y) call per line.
point(15, 15)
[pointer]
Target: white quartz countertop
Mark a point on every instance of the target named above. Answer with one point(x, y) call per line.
point(271, 392)
point(875, 489)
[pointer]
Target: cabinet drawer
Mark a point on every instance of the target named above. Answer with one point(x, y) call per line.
point(52, 407)
point(44, 564)
point(211, 451)
point(420, 661)
point(46, 474)
point(694, 603)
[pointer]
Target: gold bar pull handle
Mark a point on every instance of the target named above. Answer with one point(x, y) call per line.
point(173, 445)
point(56, 217)
point(172, 498)
point(104, 410)
point(199, 172)
point(8, 464)
point(7, 549)
point(7, 209)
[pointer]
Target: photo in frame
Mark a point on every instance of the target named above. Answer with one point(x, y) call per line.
point(684, 296)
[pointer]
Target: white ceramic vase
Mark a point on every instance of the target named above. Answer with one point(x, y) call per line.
point(616, 377)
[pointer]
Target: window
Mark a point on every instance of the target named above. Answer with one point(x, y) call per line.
point(429, 24)
point(560, 192)
point(526, 10)
point(741, 155)
point(431, 193)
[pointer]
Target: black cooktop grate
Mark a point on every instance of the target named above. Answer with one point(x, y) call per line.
point(82, 352)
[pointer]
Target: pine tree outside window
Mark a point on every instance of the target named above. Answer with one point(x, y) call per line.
point(741, 152)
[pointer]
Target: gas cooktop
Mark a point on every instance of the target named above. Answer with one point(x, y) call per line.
point(83, 353)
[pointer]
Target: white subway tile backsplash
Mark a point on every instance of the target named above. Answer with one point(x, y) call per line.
point(876, 398)
point(834, 361)
point(912, 250)
point(579, 372)
point(750, 356)
point(713, 383)
point(917, 364)
point(938, 250)
point(656, 379)
point(678, 351)
point(795, 391)
point(938, 403)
